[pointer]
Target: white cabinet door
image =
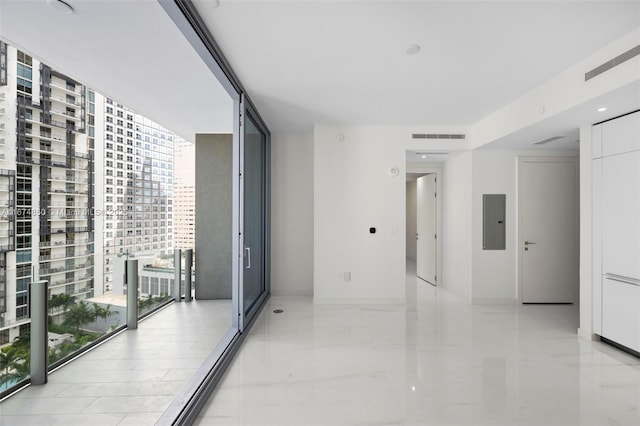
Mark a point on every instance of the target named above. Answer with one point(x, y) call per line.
point(597, 245)
point(621, 135)
point(621, 215)
point(621, 313)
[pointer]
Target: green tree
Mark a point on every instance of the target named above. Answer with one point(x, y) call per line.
point(103, 313)
point(14, 360)
point(78, 315)
point(61, 302)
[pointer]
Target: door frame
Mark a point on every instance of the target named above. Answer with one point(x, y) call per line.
point(246, 109)
point(521, 160)
point(437, 170)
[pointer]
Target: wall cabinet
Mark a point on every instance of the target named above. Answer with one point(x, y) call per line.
point(616, 232)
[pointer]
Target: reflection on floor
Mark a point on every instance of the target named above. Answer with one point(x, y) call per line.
point(130, 379)
point(436, 361)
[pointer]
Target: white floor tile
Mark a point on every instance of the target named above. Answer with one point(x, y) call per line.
point(438, 360)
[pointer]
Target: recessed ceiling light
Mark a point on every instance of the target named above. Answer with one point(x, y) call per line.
point(413, 49)
point(603, 109)
point(60, 6)
point(424, 156)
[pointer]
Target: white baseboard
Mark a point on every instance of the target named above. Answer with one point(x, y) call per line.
point(349, 301)
point(493, 301)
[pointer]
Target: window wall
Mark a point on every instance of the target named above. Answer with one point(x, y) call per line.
point(96, 171)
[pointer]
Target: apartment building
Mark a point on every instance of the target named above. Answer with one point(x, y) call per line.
point(184, 204)
point(136, 185)
point(46, 225)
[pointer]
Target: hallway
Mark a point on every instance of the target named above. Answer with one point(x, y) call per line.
point(436, 361)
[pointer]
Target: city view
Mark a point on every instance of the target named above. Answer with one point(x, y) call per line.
point(85, 184)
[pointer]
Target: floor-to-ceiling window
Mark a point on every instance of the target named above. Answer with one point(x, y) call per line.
point(114, 159)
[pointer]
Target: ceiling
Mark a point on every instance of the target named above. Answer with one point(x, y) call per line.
point(130, 51)
point(306, 62)
point(311, 61)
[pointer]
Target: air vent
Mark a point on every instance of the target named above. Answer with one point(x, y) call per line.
point(631, 53)
point(548, 140)
point(436, 136)
point(432, 153)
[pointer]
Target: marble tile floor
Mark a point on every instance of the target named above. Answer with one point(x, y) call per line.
point(438, 360)
point(130, 379)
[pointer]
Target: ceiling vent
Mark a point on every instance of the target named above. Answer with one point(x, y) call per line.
point(437, 136)
point(631, 53)
point(548, 140)
point(432, 153)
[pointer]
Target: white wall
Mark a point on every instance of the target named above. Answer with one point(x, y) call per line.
point(353, 191)
point(412, 227)
point(495, 271)
point(292, 215)
point(456, 199)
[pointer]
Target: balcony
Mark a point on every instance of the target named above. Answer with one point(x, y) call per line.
point(67, 205)
point(64, 101)
point(5, 323)
point(64, 243)
point(51, 258)
point(58, 283)
point(45, 149)
point(155, 361)
point(66, 114)
point(58, 85)
point(67, 191)
point(66, 268)
point(46, 136)
point(69, 217)
point(63, 178)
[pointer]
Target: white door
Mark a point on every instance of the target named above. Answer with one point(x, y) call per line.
point(426, 254)
point(548, 225)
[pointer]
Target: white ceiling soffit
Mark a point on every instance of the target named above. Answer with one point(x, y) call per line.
point(130, 51)
point(567, 123)
point(308, 62)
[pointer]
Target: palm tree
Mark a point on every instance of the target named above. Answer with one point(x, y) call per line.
point(60, 301)
point(104, 313)
point(14, 360)
point(78, 315)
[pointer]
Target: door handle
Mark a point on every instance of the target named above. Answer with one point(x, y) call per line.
point(248, 251)
point(528, 243)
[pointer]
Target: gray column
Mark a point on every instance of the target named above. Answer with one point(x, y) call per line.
point(214, 211)
point(177, 280)
point(188, 261)
point(132, 294)
point(39, 332)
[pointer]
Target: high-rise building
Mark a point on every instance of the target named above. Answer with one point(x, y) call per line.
point(135, 172)
point(82, 179)
point(46, 186)
point(184, 204)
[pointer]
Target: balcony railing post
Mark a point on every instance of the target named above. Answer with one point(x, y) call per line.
point(132, 293)
point(188, 260)
point(177, 267)
point(39, 333)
